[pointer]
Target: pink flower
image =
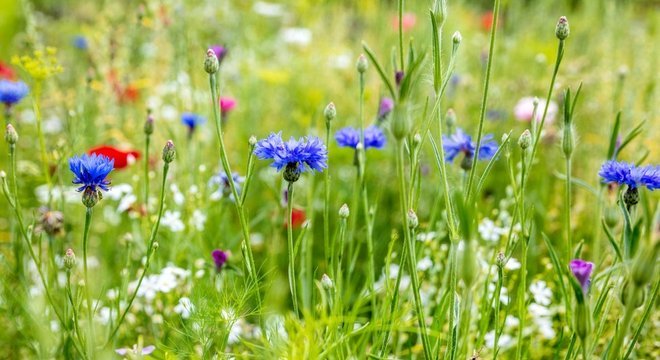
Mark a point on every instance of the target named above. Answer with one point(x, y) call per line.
point(407, 22)
point(524, 110)
point(227, 104)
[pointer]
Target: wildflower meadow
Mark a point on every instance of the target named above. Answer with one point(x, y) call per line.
point(301, 179)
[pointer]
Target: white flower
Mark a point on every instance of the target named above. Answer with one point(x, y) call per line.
point(297, 36)
point(545, 327)
point(178, 197)
point(512, 264)
point(424, 264)
point(542, 294)
point(268, 9)
point(504, 342)
point(235, 332)
point(538, 310)
point(198, 219)
point(184, 308)
point(104, 315)
point(427, 236)
point(172, 220)
point(511, 322)
point(126, 203)
point(489, 231)
point(118, 191)
point(169, 112)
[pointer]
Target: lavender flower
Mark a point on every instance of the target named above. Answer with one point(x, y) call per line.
point(192, 120)
point(582, 271)
point(90, 171)
point(295, 155)
point(350, 137)
point(11, 92)
point(385, 108)
point(219, 258)
point(634, 176)
point(459, 142)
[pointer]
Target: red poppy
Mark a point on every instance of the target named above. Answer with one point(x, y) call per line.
point(298, 218)
point(130, 93)
point(6, 72)
point(122, 158)
point(487, 20)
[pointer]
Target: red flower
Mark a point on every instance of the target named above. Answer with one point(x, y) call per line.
point(6, 72)
point(408, 21)
point(487, 20)
point(298, 218)
point(122, 158)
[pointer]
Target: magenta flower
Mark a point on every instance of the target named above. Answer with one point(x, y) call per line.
point(582, 271)
point(219, 258)
point(227, 104)
point(220, 52)
point(385, 108)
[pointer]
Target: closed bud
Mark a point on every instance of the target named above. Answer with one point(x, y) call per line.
point(401, 121)
point(330, 112)
point(562, 30)
point(417, 140)
point(630, 294)
point(413, 221)
point(568, 140)
point(149, 125)
point(69, 259)
point(156, 245)
point(450, 118)
point(169, 152)
point(344, 212)
point(582, 320)
point(362, 64)
point(211, 64)
point(252, 140)
point(457, 38)
point(326, 282)
point(440, 11)
point(11, 136)
point(500, 261)
point(525, 139)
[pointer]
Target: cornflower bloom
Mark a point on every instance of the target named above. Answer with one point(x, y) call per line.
point(219, 258)
point(192, 120)
point(90, 172)
point(460, 142)
point(621, 172)
point(350, 137)
point(220, 52)
point(11, 92)
point(295, 156)
point(221, 180)
point(385, 108)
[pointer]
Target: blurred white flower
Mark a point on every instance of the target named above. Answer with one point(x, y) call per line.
point(541, 292)
point(198, 219)
point(172, 220)
point(178, 197)
point(524, 110)
point(504, 342)
point(268, 9)
point(297, 36)
point(184, 308)
point(424, 264)
point(491, 232)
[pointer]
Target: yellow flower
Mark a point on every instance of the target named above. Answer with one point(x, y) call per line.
point(41, 65)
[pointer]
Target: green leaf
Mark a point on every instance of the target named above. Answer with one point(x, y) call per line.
point(613, 242)
point(614, 136)
point(379, 68)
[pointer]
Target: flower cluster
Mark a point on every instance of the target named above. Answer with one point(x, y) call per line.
point(294, 155)
point(634, 176)
point(350, 137)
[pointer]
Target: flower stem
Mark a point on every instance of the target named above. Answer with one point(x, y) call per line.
point(292, 261)
point(522, 289)
point(42, 141)
point(621, 333)
point(88, 298)
point(76, 327)
point(146, 175)
point(326, 206)
point(567, 211)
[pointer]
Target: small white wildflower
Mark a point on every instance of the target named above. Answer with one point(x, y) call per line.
point(424, 264)
point(178, 197)
point(184, 308)
point(198, 219)
point(542, 294)
point(297, 36)
point(504, 342)
point(512, 264)
point(172, 220)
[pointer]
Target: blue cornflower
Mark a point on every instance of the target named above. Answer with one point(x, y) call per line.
point(460, 142)
point(192, 120)
point(295, 155)
point(221, 181)
point(90, 171)
point(12, 92)
point(350, 137)
point(625, 173)
point(80, 42)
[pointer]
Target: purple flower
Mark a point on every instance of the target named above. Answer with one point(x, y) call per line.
point(219, 258)
point(350, 137)
point(11, 92)
point(398, 77)
point(90, 171)
point(385, 108)
point(459, 142)
point(136, 350)
point(220, 52)
point(582, 271)
point(192, 120)
point(302, 154)
point(625, 173)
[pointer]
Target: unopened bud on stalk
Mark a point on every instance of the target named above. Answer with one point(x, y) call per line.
point(417, 140)
point(326, 282)
point(568, 140)
point(252, 140)
point(149, 125)
point(400, 121)
point(69, 259)
point(169, 152)
point(413, 221)
point(562, 30)
point(450, 119)
point(582, 320)
point(211, 64)
point(631, 294)
point(362, 64)
point(330, 112)
point(440, 11)
point(344, 212)
point(457, 38)
point(11, 136)
point(91, 197)
point(500, 261)
point(525, 139)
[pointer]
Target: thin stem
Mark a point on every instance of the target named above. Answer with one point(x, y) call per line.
point(484, 100)
point(412, 265)
point(146, 175)
point(522, 289)
point(451, 347)
point(42, 141)
point(326, 205)
point(88, 298)
point(76, 327)
point(292, 262)
point(400, 10)
point(617, 344)
point(567, 211)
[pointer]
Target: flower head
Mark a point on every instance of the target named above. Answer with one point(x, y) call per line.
point(121, 158)
point(582, 271)
point(350, 137)
point(296, 155)
point(219, 258)
point(90, 171)
point(6, 72)
point(625, 173)
point(220, 52)
point(460, 142)
point(11, 92)
point(385, 108)
point(227, 104)
point(136, 350)
point(192, 120)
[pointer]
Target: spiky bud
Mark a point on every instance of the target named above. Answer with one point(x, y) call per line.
point(11, 136)
point(211, 64)
point(69, 259)
point(344, 212)
point(330, 112)
point(562, 30)
point(525, 139)
point(291, 172)
point(169, 152)
point(362, 64)
point(500, 261)
point(631, 197)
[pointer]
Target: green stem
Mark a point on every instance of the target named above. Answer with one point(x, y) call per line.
point(412, 265)
point(521, 299)
point(76, 327)
point(146, 175)
point(42, 141)
point(292, 261)
point(400, 10)
point(498, 331)
point(88, 298)
point(326, 206)
point(451, 348)
point(567, 211)
point(621, 333)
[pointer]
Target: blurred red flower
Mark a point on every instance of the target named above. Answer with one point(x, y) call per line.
point(298, 218)
point(408, 21)
point(122, 158)
point(6, 72)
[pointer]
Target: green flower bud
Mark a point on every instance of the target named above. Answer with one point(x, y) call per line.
point(457, 38)
point(440, 11)
point(450, 118)
point(568, 140)
point(149, 125)
point(401, 122)
point(362, 64)
point(330, 112)
point(525, 139)
point(344, 212)
point(562, 30)
point(643, 268)
point(631, 294)
point(211, 64)
point(500, 260)
point(11, 136)
point(413, 221)
point(582, 320)
point(69, 259)
point(252, 140)
point(169, 152)
point(326, 282)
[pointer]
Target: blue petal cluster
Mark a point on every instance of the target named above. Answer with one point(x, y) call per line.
point(308, 152)
point(625, 173)
point(192, 120)
point(12, 92)
point(90, 171)
point(80, 42)
point(350, 137)
point(460, 142)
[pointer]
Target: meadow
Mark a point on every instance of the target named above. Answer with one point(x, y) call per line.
point(377, 179)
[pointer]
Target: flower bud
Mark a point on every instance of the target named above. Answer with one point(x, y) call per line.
point(252, 140)
point(149, 125)
point(326, 282)
point(631, 294)
point(582, 320)
point(11, 136)
point(291, 172)
point(330, 112)
point(169, 152)
point(211, 64)
point(69, 259)
point(440, 11)
point(91, 197)
point(362, 64)
point(457, 38)
point(450, 118)
point(344, 212)
point(562, 30)
point(568, 140)
point(400, 121)
point(417, 140)
point(500, 260)
point(413, 221)
point(156, 245)
point(525, 139)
